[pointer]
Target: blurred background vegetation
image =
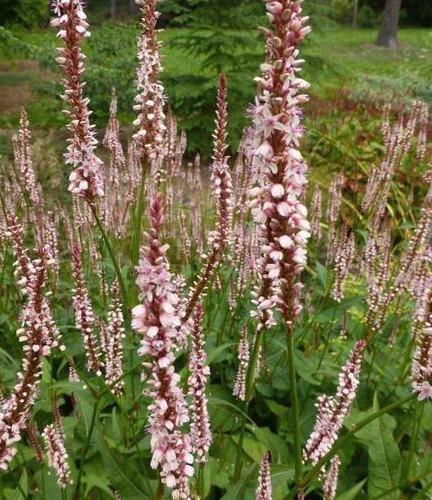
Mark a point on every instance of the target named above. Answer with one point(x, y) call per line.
point(203, 38)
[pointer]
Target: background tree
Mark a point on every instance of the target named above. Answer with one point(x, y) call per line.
point(27, 13)
point(217, 35)
point(388, 34)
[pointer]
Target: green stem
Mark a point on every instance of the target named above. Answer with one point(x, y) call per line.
point(416, 426)
point(85, 450)
point(115, 263)
point(200, 481)
point(250, 376)
point(239, 461)
point(402, 486)
point(316, 470)
point(138, 210)
point(298, 464)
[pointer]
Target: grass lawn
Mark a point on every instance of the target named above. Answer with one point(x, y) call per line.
point(351, 59)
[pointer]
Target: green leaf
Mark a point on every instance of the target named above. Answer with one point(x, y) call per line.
point(125, 477)
point(85, 402)
point(276, 408)
point(322, 273)
point(217, 351)
point(385, 460)
point(254, 449)
point(275, 444)
point(16, 494)
point(47, 485)
point(98, 481)
point(281, 473)
point(235, 491)
point(352, 493)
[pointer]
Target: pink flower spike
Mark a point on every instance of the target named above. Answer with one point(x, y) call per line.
point(201, 436)
point(86, 179)
point(421, 367)
point(162, 334)
point(53, 436)
point(332, 411)
point(331, 479)
point(264, 490)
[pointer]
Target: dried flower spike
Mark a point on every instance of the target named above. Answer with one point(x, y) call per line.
point(221, 183)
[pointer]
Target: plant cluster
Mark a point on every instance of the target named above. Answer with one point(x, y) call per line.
point(223, 335)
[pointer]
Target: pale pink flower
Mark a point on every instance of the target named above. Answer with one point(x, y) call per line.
point(201, 436)
point(85, 178)
point(280, 213)
point(149, 103)
point(114, 348)
point(425, 391)
point(264, 490)
point(36, 336)
point(243, 356)
point(160, 327)
point(332, 411)
point(57, 455)
point(84, 316)
point(331, 479)
point(23, 162)
point(421, 368)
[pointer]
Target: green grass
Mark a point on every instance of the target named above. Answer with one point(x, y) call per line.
point(351, 59)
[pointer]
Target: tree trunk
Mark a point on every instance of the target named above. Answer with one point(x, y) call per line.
point(113, 9)
point(132, 7)
point(355, 14)
point(388, 34)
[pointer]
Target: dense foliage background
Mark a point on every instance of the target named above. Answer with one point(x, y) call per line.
point(177, 12)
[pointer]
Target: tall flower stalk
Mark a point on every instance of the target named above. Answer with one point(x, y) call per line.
point(264, 490)
point(85, 319)
point(332, 411)
point(86, 178)
point(421, 368)
point(281, 212)
point(54, 439)
point(243, 356)
point(36, 336)
point(23, 161)
point(221, 184)
point(331, 479)
point(114, 348)
point(199, 374)
point(156, 320)
point(149, 102)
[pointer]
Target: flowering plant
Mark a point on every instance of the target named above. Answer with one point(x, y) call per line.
point(228, 332)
